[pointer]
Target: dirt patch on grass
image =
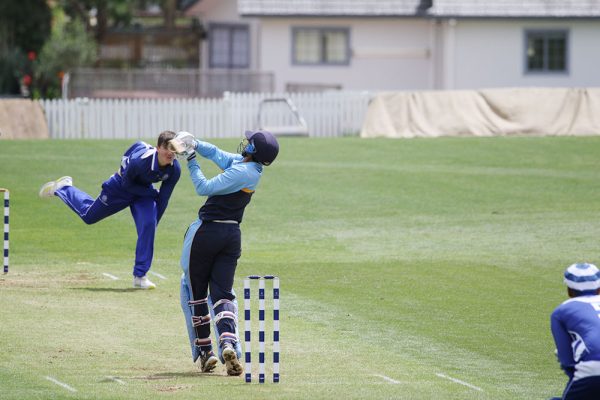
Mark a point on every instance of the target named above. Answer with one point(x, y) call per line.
point(176, 388)
point(167, 375)
point(40, 281)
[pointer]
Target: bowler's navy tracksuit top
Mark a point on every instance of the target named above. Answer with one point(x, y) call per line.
point(131, 186)
point(576, 329)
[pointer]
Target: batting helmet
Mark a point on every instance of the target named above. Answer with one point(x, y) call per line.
point(262, 145)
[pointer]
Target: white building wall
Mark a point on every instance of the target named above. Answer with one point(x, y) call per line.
point(414, 53)
point(387, 54)
point(491, 53)
point(585, 54)
point(226, 11)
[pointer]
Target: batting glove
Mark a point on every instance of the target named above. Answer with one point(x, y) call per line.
point(184, 144)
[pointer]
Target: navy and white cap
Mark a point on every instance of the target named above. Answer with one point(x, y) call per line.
point(582, 277)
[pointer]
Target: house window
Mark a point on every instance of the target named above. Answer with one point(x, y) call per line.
point(229, 46)
point(320, 46)
point(546, 51)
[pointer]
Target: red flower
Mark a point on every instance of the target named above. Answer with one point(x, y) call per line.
point(27, 80)
point(31, 55)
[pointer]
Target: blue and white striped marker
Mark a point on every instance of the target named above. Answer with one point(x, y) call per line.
point(6, 226)
point(261, 331)
point(275, 329)
point(275, 326)
point(247, 332)
point(261, 327)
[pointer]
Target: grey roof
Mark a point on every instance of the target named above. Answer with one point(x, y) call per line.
point(433, 8)
point(516, 8)
point(330, 7)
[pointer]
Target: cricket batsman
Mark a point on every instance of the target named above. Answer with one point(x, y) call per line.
point(212, 244)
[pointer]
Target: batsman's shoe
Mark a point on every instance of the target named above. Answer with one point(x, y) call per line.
point(49, 188)
point(232, 364)
point(142, 282)
point(208, 361)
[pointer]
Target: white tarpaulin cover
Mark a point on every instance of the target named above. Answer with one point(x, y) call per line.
point(490, 112)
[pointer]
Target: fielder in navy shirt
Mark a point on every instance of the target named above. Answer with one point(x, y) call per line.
point(575, 327)
point(131, 186)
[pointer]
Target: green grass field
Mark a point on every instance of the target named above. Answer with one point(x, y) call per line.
point(410, 269)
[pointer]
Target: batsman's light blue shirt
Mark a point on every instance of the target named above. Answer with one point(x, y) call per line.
point(575, 326)
point(236, 175)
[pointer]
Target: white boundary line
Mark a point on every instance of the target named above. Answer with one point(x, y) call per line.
point(115, 379)
point(157, 274)
point(114, 278)
point(388, 379)
point(460, 382)
point(59, 383)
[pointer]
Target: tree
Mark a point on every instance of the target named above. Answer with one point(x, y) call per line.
point(106, 14)
point(24, 24)
point(12, 62)
point(169, 7)
point(69, 46)
point(99, 15)
point(24, 27)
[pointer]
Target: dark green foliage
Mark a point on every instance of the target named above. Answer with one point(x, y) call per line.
point(24, 27)
point(24, 24)
point(12, 63)
point(70, 46)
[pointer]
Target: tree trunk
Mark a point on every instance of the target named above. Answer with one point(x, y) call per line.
point(169, 8)
point(102, 22)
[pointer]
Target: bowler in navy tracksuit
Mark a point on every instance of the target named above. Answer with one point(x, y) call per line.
point(576, 330)
point(212, 246)
point(131, 186)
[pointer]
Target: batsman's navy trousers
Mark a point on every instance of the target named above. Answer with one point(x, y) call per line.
point(109, 202)
point(215, 250)
point(213, 259)
point(209, 259)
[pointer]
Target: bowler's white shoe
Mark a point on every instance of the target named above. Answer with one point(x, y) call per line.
point(142, 282)
point(49, 188)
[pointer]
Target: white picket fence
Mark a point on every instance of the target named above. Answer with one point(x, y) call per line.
point(326, 114)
